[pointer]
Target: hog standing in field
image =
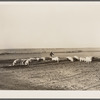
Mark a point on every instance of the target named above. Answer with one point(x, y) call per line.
point(70, 59)
point(76, 58)
point(17, 62)
point(82, 59)
point(30, 61)
point(88, 59)
point(23, 61)
point(55, 59)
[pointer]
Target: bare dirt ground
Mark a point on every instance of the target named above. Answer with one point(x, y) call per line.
point(51, 76)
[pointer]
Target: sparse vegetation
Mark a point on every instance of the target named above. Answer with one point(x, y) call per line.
point(49, 75)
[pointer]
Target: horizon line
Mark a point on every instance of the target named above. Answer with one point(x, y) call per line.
point(54, 48)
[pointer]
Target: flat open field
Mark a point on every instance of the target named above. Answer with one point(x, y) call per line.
point(49, 76)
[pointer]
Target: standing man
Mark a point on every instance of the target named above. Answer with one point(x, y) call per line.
point(51, 53)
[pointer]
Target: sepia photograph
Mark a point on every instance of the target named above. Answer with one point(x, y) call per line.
point(50, 46)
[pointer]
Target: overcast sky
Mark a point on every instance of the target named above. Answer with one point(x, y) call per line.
point(50, 25)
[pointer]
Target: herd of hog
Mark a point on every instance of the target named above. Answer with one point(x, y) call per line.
point(56, 59)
